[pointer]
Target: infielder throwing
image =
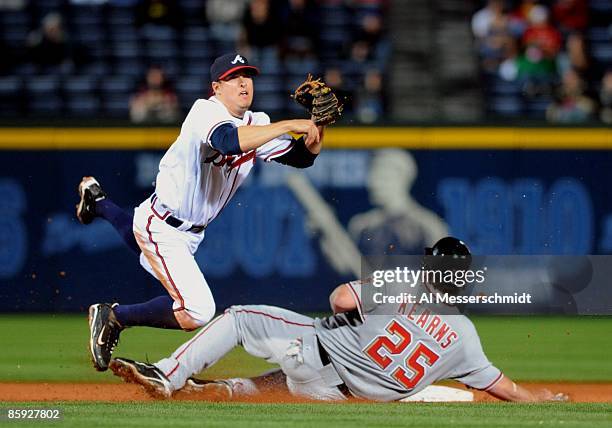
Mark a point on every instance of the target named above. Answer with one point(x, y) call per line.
point(219, 142)
point(361, 351)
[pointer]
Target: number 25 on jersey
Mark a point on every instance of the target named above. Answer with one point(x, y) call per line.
point(412, 370)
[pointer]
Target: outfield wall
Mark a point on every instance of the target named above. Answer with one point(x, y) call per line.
point(503, 190)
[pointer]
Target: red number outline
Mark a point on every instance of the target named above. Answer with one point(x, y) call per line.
point(412, 364)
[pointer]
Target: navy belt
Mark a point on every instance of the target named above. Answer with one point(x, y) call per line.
point(326, 361)
point(176, 223)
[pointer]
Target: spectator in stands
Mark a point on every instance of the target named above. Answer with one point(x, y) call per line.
point(541, 34)
point(300, 22)
point(335, 79)
point(575, 56)
point(541, 44)
point(570, 15)
point(225, 18)
point(484, 18)
point(261, 29)
point(161, 13)
point(156, 101)
point(369, 43)
point(370, 102)
point(605, 98)
point(572, 104)
point(49, 45)
point(493, 43)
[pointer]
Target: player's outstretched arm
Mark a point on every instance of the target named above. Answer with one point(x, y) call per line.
point(252, 137)
point(507, 390)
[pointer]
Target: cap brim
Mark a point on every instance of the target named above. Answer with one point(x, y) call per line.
point(252, 69)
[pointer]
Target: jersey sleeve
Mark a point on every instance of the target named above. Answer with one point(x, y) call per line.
point(273, 148)
point(204, 118)
point(474, 369)
point(361, 291)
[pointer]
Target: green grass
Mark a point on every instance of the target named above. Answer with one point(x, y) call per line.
point(54, 348)
point(237, 415)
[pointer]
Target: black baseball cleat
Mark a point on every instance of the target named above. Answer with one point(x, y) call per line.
point(104, 334)
point(90, 192)
point(215, 390)
point(147, 375)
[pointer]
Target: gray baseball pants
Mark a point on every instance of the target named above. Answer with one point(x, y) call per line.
point(277, 335)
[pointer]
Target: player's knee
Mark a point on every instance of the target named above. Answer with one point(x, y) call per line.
point(192, 318)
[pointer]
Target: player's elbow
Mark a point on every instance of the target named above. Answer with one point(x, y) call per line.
point(341, 300)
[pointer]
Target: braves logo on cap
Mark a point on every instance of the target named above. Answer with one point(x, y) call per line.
point(227, 64)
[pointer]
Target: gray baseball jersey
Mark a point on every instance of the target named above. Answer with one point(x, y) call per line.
point(388, 357)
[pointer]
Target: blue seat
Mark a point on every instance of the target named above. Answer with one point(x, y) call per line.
point(133, 68)
point(599, 34)
point(506, 106)
point(191, 86)
point(10, 85)
point(536, 109)
point(196, 34)
point(126, 50)
point(266, 83)
point(43, 85)
point(17, 18)
point(196, 67)
point(96, 69)
point(502, 87)
point(266, 102)
point(602, 52)
point(51, 106)
point(158, 33)
point(116, 105)
point(117, 85)
point(196, 50)
point(80, 84)
point(83, 106)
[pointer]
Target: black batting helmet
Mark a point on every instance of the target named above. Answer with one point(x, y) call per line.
point(448, 254)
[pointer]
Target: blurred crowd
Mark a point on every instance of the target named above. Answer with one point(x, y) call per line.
point(536, 55)
point(161, 47)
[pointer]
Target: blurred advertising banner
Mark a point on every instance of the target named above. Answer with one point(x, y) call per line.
point(289, 237)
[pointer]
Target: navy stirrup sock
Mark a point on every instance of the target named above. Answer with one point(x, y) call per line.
point(121, 221)
point(154, 313)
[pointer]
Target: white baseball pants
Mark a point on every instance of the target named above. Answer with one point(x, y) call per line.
point(168, 254)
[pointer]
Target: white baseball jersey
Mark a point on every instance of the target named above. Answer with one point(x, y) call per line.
point(195, 182)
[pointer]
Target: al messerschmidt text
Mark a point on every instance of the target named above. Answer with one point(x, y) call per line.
point(496, 298)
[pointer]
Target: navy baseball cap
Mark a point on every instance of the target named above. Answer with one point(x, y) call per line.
point(228, 64)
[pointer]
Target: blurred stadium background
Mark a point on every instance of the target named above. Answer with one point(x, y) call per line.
point(488, 120)
point(411, 60)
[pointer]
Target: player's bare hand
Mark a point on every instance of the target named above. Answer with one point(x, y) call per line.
point(308, 128)
point(547, 395)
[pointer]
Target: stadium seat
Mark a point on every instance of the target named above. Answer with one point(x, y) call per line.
point(132, 67)
point(116, 105)
point(506, 106)
point(80, 85)
point(117, 85)
point(602, 52)
point(83, 106)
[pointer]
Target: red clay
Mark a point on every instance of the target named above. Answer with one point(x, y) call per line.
point(578, 392)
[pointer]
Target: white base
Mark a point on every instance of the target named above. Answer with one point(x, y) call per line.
point(439, 394)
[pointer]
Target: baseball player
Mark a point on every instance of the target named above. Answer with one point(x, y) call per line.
point(361, 351)
point(219, 142)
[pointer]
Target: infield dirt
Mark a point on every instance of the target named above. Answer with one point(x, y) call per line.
point(578, 392)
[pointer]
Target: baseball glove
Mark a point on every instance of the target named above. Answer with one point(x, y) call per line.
point(320, 101)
